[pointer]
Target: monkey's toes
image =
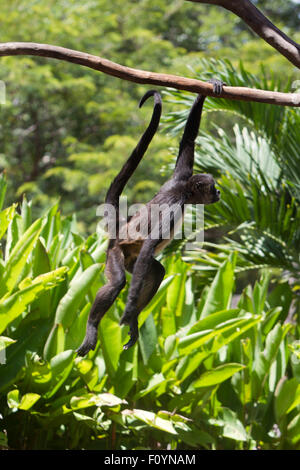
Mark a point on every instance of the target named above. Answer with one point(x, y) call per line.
point(83, 349)
point(217, 85)
point(89, 341)
point(134, 334)
point(130, 343)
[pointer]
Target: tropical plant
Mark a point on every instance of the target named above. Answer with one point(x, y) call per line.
point(204, 374)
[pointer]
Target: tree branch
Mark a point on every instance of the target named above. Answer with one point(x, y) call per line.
point(261, 25)
point(144, 77)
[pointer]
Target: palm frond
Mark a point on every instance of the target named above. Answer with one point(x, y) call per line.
point(257, 167)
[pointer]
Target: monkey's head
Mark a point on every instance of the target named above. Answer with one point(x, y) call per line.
point(202, 190)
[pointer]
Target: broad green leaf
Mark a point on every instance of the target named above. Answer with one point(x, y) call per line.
point(30, 337)
point(13, 234)
point(260, 292)
point(188, 364)
point(176, 291)
point(50, 347)
point(217, 375)
point(285, 395)
point(157, 300)
point(13, 398)
point(168, 322)
point(16, 304)
point(6, 217)
point(85, 418)
point(5, 341)
point(92, 399)
point(26, 215)
point(89, 373)
point(293, 430)
point(151, 419)
point(273, 341)
point(111, 342)
point(170, 345)
point(236, 326)
point(233, 428)
point(219, 294)
point(61, 366)
point(127, 372)
point(19, 255)
point(148, 338)
point(155, 381)
point(194, 437)
point(40, 265)
point(270, 319)
point(55, 343)
point(75, 334)
point(107, 399)
point(213, 320)
point(229, 336)
point(51, 227)
point(278, 367)
point(296, 401)
point(86, 260)
point(99, 253)
point(28, 400)
point(69, 304)
point(79, 403)
point(265, 359)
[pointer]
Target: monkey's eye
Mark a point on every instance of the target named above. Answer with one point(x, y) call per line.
point(213, 189)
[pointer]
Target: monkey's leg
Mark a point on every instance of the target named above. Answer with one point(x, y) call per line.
point(115, 272)
point(152, 281)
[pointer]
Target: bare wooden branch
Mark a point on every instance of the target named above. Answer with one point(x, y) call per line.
point(262, 26)
point(144, 77)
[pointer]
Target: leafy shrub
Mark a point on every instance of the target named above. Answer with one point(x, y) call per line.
point(203, 375)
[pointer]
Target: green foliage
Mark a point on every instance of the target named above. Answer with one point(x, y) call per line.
point(256, 164)
point(203, 374)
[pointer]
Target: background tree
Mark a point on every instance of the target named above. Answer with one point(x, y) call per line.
point(64, 129)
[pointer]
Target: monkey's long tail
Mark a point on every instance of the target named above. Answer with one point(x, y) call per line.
point(118, 184)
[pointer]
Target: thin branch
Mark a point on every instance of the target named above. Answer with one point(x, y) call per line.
point(262, 26)
point(144, 77)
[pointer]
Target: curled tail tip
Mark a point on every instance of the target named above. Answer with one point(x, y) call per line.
point(147, 95)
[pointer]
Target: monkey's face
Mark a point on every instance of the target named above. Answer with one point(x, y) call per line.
point(202, 189)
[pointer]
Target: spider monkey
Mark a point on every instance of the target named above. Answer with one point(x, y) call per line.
point(137, 254)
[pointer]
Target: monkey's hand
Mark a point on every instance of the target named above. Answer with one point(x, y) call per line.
point(217, 85)
point(130, 318)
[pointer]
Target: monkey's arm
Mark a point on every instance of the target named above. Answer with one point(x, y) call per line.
point(185, 160)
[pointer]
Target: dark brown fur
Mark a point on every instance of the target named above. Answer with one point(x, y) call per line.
point(136, 255)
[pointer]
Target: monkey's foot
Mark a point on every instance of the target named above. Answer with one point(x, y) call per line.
point(217, 85)
point(89, 341)
point(134, 334)
point(133, 330)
